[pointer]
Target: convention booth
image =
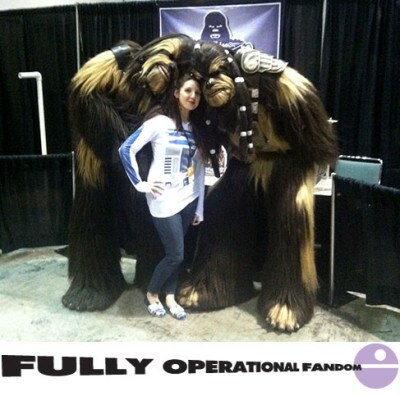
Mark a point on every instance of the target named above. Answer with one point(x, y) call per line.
point(361, 241)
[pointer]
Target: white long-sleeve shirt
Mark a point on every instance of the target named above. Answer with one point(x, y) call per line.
point(176, 163)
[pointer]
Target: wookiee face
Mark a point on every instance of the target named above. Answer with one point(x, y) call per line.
point(211, 65)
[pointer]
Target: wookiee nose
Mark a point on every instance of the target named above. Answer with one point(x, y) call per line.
point(210, 83)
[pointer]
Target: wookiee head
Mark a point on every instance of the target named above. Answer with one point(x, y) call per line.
point(224, 89)
point(210, 61)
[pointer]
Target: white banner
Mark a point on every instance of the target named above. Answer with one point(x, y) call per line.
point(200, 368)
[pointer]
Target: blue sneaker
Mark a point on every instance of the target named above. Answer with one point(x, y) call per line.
point(156, 309)
point(177, 312)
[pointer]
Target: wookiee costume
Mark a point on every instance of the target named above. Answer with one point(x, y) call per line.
point(258, 216)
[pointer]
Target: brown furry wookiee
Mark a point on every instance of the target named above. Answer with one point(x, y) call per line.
point(259, 220)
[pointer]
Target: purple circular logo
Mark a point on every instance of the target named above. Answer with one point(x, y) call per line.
point(378, 364)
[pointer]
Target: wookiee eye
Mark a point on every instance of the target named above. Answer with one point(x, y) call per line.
point(210, 82)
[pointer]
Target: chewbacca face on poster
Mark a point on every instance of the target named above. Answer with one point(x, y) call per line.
point(215, 28)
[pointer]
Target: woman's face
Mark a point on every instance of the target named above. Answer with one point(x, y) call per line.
point(188, 95)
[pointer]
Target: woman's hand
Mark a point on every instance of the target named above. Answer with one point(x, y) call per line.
point(196, 220)
point(154, 188)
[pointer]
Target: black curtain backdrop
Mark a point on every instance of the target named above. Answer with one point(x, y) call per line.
point(103, 25)
point(36, 40)
point(360, 79)
point(302, 36)
point(35, 200)
point(16, 107)
point(44, 40)
point(367, 241)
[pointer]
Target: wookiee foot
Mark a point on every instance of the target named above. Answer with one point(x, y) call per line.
point(200, 297)
point(188, 297)
point(282, 318)
point(89, 299)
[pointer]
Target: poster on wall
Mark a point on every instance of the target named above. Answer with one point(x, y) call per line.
point(232, 26)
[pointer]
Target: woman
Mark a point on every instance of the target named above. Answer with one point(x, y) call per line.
point(174, 188)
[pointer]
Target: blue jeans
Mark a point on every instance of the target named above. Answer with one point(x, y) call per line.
point(172, 232)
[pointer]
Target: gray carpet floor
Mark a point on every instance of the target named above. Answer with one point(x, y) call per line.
point(32, 282)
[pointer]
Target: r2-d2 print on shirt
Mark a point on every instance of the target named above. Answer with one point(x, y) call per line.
point(178, 166)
